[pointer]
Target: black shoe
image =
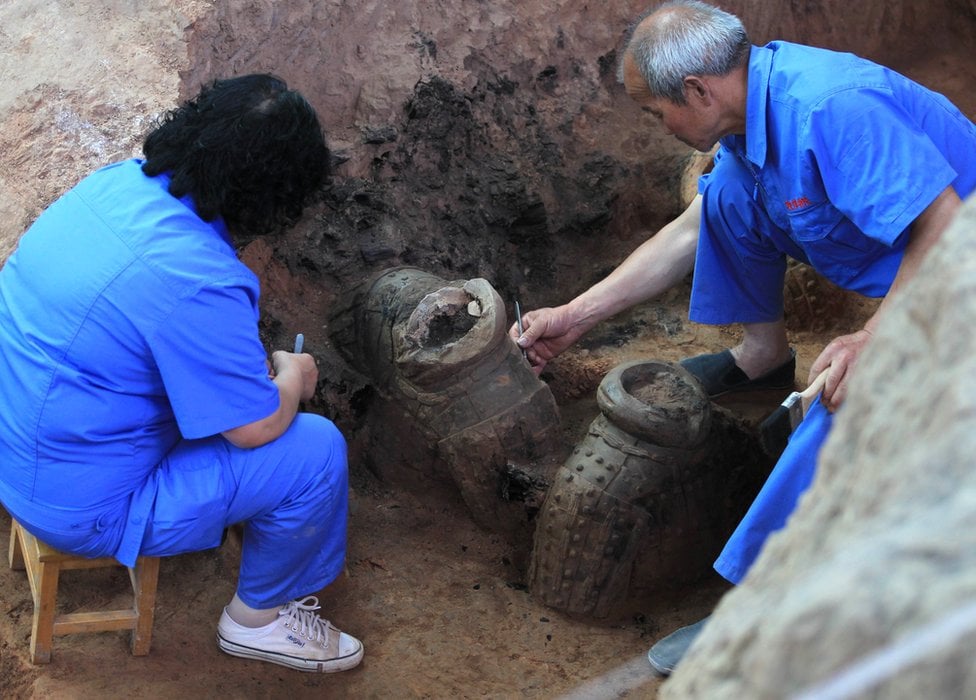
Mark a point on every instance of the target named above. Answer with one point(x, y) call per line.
point(666, 654)
point(719, 374)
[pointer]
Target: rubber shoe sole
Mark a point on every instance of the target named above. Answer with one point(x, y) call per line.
point(667, 653)
point(340, 663)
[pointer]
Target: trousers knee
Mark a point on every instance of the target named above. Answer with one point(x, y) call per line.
point(313, 440)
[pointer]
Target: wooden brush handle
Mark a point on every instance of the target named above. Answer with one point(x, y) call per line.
point(810, 393)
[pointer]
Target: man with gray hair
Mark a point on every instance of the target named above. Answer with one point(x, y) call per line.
point(822, 157)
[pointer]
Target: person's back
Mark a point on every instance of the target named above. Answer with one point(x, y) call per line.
point(89, 299)
point(833, 92)
point(844, 155)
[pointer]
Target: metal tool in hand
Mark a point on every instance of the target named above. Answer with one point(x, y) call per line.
point(518, 323)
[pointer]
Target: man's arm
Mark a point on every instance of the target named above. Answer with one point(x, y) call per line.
point(295, 377)
point(657, 265)
point(842, 353)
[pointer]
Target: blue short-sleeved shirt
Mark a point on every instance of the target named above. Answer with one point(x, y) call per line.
point(844, 155)
point(127, 323)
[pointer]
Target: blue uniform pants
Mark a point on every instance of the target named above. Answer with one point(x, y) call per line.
point(291, 496)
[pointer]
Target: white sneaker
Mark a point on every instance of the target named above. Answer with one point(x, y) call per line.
point(298, 638)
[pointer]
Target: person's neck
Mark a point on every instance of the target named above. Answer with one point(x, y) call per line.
point(731, 91)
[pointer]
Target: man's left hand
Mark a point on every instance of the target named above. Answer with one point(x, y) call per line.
point(840, 356)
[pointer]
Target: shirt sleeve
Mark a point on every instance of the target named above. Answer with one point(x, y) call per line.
point(212, 362)
point(878, 166)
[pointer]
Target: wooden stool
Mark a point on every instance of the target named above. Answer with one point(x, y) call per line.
point(44, 564)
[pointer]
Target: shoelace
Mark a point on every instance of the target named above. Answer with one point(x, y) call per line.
point(300, 617)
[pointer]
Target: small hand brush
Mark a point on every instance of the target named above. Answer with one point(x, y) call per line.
point(775, 431)
point(518, 321)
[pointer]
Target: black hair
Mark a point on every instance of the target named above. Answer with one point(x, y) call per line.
point(246, 149)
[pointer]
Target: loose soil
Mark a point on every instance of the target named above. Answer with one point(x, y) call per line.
point(440, 604)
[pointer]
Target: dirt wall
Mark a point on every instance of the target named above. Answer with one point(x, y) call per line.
point(471, 139)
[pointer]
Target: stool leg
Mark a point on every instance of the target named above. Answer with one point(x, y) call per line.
point(44, 566)
point(45, 602)
point(15, 555)
point(144, 578)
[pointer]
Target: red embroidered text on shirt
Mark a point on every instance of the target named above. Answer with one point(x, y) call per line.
point(792, 204)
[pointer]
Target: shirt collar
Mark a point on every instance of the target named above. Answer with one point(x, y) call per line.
point(754, 142)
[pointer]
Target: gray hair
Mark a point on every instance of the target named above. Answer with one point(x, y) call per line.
point(690, 38)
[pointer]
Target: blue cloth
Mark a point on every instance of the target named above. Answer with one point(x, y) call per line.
point(128, 334)
point(126, 323)
point(778, 496)
point(839, 157)
point(290, 494)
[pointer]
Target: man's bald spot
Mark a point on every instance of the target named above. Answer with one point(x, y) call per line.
point(652, 25)
point(656, 22)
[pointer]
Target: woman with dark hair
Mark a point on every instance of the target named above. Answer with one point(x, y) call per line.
point(137, 409)
point(248, 150)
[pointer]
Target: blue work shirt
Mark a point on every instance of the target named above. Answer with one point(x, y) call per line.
point(844, 155)
point(127, 324)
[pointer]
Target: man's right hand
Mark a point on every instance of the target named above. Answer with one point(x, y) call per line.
point(546, 332)
point(656, 265)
